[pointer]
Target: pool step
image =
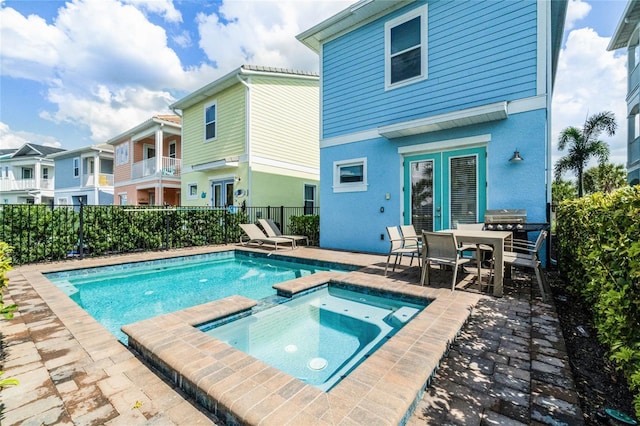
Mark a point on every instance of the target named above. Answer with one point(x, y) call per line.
point(401, 316)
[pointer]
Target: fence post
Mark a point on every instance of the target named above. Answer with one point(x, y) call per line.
point(282, 227)
point(81, 233)
point(166, 227)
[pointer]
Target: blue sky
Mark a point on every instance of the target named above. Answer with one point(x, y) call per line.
point(81, 72)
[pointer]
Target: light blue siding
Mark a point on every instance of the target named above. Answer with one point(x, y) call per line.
point(64, 174)
point(478, 52)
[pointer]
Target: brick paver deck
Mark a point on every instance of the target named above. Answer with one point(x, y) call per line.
point(508, 365)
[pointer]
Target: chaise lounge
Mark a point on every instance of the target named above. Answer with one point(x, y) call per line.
point(254, 235)
point(272, 230)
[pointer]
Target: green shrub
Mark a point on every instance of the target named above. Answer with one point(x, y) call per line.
point(306, 225)
point(599, 255)
point(5, 266)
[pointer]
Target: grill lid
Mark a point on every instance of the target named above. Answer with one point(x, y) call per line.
point(505, 216)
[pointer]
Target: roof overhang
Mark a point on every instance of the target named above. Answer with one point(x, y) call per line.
point(354, 16)
point(215, 165)
point(626, 26)
point(466, 117)
point(144, 129)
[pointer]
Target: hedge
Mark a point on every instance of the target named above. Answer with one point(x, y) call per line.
point(598, 239)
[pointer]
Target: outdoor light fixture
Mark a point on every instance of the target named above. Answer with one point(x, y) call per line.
point(516, 157)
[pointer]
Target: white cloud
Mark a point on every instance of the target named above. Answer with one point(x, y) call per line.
point(161, 7)
point(576, 10)
point(10, 139)
point(590, 80)
point(263, 32)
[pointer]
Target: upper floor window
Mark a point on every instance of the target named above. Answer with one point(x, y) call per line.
point(45, 173)
point(406, 48)
point(76, 167)
point(350, 175)
point(27, 173)
point(210, 121)
point(122, 154)
point(172, 150)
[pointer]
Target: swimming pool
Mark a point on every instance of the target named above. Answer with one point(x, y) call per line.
point(127, 293)
point(321, 336)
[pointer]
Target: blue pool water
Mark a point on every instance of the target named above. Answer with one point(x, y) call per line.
point(127, 293)
point(318, 337)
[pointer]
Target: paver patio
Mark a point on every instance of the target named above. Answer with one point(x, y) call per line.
point(508, 365)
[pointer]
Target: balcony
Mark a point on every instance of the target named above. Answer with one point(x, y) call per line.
point(170, 168)
point(103, 180)
point(7, 184)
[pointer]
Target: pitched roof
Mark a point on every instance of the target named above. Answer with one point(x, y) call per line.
point(628, 22)
point(231, 79)
point(172, 118)
point(34, 150)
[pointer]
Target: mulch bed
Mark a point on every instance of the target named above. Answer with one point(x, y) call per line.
point(598, 383)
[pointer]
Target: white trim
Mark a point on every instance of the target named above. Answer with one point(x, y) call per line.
point(284, 165)
point(465, 117)
point(446, 145)
point(421, 12)
point(349, 138)
point(212, 165)
point(350, 187)
point(527, 104)
point(188, 191)
point(215, 121)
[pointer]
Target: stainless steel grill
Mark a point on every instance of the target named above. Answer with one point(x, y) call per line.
point(505, 219)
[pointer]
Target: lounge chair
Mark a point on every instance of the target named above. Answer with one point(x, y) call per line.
point(256, 236)
point(273, 231)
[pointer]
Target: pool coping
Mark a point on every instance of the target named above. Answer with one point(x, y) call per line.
point(346, 404)
point(239, 389)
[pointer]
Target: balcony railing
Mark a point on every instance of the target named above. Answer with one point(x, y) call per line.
point(7, 184)
point(170, 167)
point(103, 179)
point(634, 79)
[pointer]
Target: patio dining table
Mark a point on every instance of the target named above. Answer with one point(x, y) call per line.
point(498, 239)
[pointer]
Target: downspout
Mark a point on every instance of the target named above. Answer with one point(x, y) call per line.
point(247, 136)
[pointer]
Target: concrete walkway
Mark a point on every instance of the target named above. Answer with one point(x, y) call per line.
point(508, 366)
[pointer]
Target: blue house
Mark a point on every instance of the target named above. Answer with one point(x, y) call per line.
point(433, 112)
point(84, 175)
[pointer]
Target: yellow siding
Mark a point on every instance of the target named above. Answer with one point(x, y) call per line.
point(230, 128)
point(285, 120)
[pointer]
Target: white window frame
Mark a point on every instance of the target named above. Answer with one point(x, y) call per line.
point(122, 196)
point(63, 201)
point(418, 12)
point(215, 121)
point(314, 200)
point(122, 154)
point(76, 167)
point(45, 173)
point(350, 186)
point(27, 171)
point(189, 195)
point(173, 145)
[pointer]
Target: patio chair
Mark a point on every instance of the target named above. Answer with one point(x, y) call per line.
point(440, 248)
point(272, 230)
point(480, 250)
point(397, 248)
point(254, 235)
point(410, 237)
point(527, 256)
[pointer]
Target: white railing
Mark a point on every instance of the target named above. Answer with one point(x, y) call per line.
point(144, 168)
point(8, 184)
point(103, 180)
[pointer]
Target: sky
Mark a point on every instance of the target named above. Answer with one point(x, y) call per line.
point(81, 72)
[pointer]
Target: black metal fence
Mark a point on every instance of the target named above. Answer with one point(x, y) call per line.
point(55, 232)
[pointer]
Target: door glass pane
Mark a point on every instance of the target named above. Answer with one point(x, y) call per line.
point(229, 194)
point(422, 195)
point(217, 195)
point(464, 190)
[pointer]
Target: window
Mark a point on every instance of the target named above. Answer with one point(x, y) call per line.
point(192, 191)
point(172, 150)
point(45, 173)
point(123, 199)
point(406, 48)
point(210, 121)
point(309, 198)
point(350, 175)
point(27, 173)
point(76, 167)
point(464, 189)
point(63, 201)
point(122, 154)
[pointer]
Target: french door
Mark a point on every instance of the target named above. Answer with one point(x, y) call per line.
point(443, 189)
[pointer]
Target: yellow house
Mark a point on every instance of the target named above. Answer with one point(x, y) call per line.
point(251, 138)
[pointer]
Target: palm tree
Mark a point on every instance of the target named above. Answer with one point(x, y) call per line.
point(604, 178)
point(584, 144)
